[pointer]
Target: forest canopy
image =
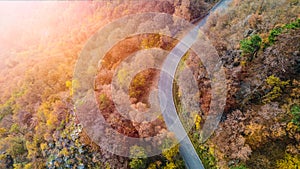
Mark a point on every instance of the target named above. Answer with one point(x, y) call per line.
point(257, 43)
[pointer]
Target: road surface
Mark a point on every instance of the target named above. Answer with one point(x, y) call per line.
point(165, 87)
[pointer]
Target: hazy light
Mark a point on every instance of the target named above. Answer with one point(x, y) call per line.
point(23, 23)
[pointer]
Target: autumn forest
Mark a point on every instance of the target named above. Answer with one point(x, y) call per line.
point(42, 49)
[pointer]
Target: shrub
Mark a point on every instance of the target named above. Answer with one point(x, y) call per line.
point(251, 45)
point(289, 162)
point(277, 31)
point(276, 86)
point(295, 110)
point(239, 167)
point(206, 154)
point(293, 25)
point(139, 157)
point(137, 163)
point(273, 34)
point(170, 166)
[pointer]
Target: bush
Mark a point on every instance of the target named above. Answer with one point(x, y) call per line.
point(273, 34)
point(293, 25)
point(139, 157)
point(137, 163)
point(251, 45)
point(289, 162)
point(239, 167)
point(295, 110)
point(276, 87)
point(277, 31)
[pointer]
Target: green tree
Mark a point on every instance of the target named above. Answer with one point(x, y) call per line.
point(251, 45)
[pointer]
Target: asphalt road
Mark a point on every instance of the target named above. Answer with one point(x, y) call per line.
point(165, 87)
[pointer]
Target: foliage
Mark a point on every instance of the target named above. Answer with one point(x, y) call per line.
point(68, 151)
point(138, 85)
point(153, 40)
point(137, 163)
point(103, 101)
point(28, 166)
point(289, 162)
point(139, 157)
point(72, 86)
point(273, 34)
point(293, 25)
point(122, 76)
point(232, 134)
point(206, 154)
point(276, 87)
point(296, 89)
point(275, 81)
point(172, 156)
point(170, 165)
point(137, 152)
point(197, 121)
point(10, 106)
point(295, 110)
point(238, 167)
point(225, 31)
point(171, 153)
point(17, 146)
point(35, 90)
point(279, 30)
point(251, 45)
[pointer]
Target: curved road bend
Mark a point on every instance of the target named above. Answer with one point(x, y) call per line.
point(165, 87)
